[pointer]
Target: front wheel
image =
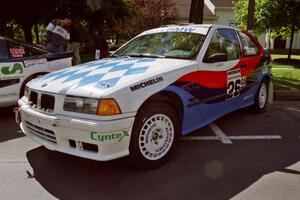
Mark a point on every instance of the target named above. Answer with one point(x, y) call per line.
point(155, 133)
point(261, 98)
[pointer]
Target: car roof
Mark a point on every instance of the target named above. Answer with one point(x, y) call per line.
point(199, 25)
point(186, 27)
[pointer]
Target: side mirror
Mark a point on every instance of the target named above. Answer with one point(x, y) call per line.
point(217, 57)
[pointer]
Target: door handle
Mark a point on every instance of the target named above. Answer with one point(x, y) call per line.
point(242, 66)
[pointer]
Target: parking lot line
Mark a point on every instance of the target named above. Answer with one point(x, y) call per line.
point(255, 137)
point(293, 109)
point(220, 134)
point(236, 137)
point(200, 138)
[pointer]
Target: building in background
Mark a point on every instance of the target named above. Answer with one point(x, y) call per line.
point(222, 12)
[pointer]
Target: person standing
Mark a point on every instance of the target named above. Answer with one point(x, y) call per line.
point(58, 34)
point(75, 45)
point(100, 45)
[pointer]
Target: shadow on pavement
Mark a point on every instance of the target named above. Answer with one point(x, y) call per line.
point(198, 170)
point(9, 129)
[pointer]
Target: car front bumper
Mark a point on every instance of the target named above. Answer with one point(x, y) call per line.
point(96, 140)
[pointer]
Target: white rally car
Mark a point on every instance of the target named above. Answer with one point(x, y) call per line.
point(164, 83)
point(19, 63)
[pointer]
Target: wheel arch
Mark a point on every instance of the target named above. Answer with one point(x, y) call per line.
point(268, 78)
point(32, 76)
point(169, 97)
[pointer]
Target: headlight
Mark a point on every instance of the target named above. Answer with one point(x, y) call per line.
point(81, 104)
point(103, 107)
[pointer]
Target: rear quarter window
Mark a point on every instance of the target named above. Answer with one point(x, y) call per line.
point(248, 45)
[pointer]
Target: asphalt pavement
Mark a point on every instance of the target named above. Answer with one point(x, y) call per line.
point(240, 156)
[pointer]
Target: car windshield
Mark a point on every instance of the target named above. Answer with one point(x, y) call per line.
point(181, 45)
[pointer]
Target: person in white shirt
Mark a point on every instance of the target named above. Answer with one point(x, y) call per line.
point(58, 34)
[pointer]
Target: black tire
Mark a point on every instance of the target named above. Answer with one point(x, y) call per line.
point(260, 106)
point(157, 137)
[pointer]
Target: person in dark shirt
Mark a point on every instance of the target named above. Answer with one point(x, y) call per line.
point(101, 44)
point(58, 34)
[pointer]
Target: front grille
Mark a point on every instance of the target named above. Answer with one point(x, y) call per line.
point(47, 102)
point(40, 132)
point(33, 98)
point(43, 102)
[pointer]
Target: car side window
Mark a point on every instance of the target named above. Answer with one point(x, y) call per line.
point(3, 50)
point(17, 50)
point(224, 41)
point(249, 47)
point(34, 51)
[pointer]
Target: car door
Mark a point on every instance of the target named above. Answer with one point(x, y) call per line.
point(33, 60)
point(220, 73)
point(11, 66)
point(251, 60)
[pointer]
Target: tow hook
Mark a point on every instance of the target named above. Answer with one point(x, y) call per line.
point(17, 115)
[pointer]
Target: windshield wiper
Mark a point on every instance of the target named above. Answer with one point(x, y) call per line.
point(118, 56)
point(146, 55)
point(114, 56)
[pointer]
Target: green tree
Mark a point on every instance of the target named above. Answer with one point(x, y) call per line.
point(145, 15)
point(97, 14)
point(26, 13)
point(280, 17)
point(260, 14)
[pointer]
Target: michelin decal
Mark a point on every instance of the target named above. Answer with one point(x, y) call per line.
point(146, 83)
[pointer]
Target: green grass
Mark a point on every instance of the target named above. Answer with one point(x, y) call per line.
point(286, 73)
point(276, 56)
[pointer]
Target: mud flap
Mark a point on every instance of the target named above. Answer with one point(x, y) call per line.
point(271, 93)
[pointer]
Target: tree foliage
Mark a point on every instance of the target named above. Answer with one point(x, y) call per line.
point(278, 16)
point(25, 13)
point(145, 15)
point(96, 13)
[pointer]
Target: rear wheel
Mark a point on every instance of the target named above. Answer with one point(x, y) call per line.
point(155, 133)
point(261, 98)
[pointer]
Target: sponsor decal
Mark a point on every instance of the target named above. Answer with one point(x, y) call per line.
point(17, 53)
point(29, 63)
point(116, 136)
point(181, 29)
point(250, 51)
point(233, 83)
point(186, 29)
point(11, 70)
point(243, 82)
point(146, 83)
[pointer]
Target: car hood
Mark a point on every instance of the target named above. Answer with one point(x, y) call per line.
point(97, 78)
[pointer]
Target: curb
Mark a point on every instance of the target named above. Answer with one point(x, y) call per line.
point(287, 95)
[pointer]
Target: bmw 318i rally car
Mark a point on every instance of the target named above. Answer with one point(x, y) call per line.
point(20, 62)
point(164, 83)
